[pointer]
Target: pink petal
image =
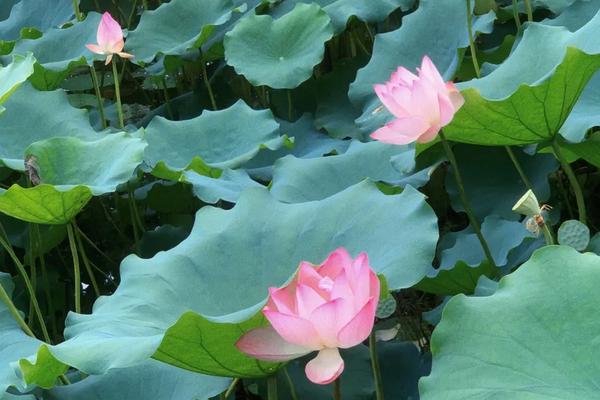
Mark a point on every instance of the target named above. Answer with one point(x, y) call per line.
point(94, 48)
point(308, 275)
point(402, 76)
point(324, 319)
point(124, 55)
point(334, 264)
point(455, 96)
point(266, 344)
point(342, 287)
point(108, 59)
point(307, 300)
point(425, 101)
point(282, 300)
point(360, 327)
point(325, 367)
point(358, 277)
point(109, 32)
point(387, 96)
point(430, 72)
point(447, 109)
point(294, 329)
point(430, 134)
point(401, 131)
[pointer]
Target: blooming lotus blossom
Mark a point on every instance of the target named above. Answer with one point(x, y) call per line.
point(422, 104)
point(324, 308)
point(110, 39)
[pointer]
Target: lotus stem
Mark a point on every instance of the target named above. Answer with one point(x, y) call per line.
point(529, 10)
point(272, 387)
point(77, 10)
point(76, 270)
point(36, 306)
point(211, 95)
point(465, 201)
point(519, 168)
point(231, 388)
point(548, 237)
point(516, 14)
point(86, 261)
point(337, 389)
point(290, 384)
point(5, 298)
point(375, 366)
point(98, 95)
point(118, 94)
point(566, 167)
point(472, 39)
point(167, 98)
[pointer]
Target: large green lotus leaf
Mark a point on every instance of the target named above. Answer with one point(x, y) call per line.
point(101, 165)
point(51, 116)
point(44, 204)
point(589, 150)
point(176, 27)
point(38, 14)
point(585, 114)
point(340, 11)
point(14, 343)
point(219, 139)
point(229, 186)
point(224, 268)
point(492, 182)
point(462, 262)
point(58, 51)
point(296, 180)
point(438, 26)
point(534, 338)
point(532, 114)
point(279, 53)
point(308, 143)
point(13, 75)
point(149, 380)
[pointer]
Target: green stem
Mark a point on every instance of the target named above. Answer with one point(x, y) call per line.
point(465, 200)
point(547, 235)
point(529, 10)
point(337, 389)
point(519, 168)
point(4, 242)
point(375, 366)
point(290, 384)
point(472, 39)
point(86, 261)
point(98, 96)
point(77, 10)
point(231, 388)
point(167, 98)
point(33, 274)
point(573, 181)
point(131, 14)
point(118, 94)
point(213, 102)
point(48, 295)
point(145, 3)
point(516, 14)
point(76, 270)
point(5, 298)
point(272, 387)
point(93, 245)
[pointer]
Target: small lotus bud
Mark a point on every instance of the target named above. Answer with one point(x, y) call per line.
point(528, 205)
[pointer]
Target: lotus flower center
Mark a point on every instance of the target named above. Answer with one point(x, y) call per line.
point(326, 284)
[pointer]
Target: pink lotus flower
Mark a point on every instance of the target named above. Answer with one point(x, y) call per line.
point(422, 104)
point(324, 308)
point(110, 39)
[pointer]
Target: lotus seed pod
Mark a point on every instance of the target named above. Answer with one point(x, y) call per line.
point(575, 234)
point(386, 307)
point(528, 204)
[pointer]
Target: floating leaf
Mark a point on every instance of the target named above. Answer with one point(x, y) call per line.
point(502, 346)
point(101, 165)
point(279, 53)
point(38, 14)
point(217, 139)
point(266, 240)
point(53, 116)
point(44, 204)
point(176, 27)
point(229, 186)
